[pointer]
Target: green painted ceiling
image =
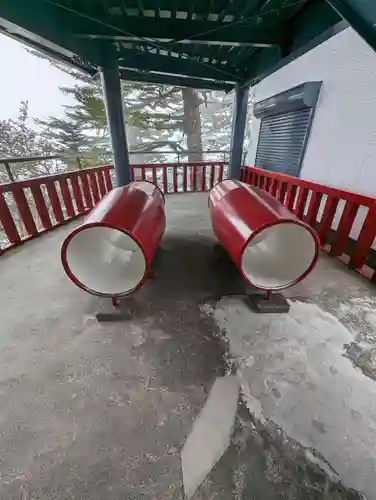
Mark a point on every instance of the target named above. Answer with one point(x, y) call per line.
point(199, 43)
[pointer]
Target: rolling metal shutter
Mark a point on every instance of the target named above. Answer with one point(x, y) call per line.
point(281, 141)
point(286, 120)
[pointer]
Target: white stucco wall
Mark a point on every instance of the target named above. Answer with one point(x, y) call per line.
point(341, 149)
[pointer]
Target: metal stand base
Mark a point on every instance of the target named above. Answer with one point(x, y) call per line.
point(125, 308)
point(123, 311)
point(267, 302)
point(230, 282)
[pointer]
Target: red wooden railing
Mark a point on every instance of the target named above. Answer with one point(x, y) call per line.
point(181, 177)
point(345, 221)
point(31, 207)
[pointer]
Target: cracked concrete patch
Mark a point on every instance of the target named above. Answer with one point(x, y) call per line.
point(210, 436)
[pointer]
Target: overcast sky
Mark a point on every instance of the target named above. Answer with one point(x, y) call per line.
point(27, 77)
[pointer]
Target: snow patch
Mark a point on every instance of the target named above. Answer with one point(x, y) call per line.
point(293, 372)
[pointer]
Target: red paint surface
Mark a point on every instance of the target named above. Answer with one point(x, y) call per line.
point(239, 212)
point(7, 223)
point(34, 209)
point(78, 196)
point(175, 180)
point(71, 194)
point(194, 178)
point(184, 176)
point(86, 190)
point(94, 187)
point(137, 210)
point(154, 175)
point(327, 219)
point(165, 185)
point(344, 228)
point(101, 184)
point(212, 174)
point(24, 210)
point(41, 207)
point(365, 239)
point(326, 199)
point(107, 177)
point(203, 178)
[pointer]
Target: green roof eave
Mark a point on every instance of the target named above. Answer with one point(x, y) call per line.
point(175, 80)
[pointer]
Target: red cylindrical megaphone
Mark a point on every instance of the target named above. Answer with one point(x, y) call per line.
point(271, 247)
point(111, 252)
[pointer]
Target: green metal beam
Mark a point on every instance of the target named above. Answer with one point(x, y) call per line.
point(232, 8)
point(361, 15)
point(283, 61)
point(187, 49)
point(180, 66)
point(44, 28)
point(253, 7)
point(210, 8)
point(175, 44)
point(59, 56)
point(181, 29)
point(307, 27)
point(260, 61)
point(88, 34)
point(180, 81)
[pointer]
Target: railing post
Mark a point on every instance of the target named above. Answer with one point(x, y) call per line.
point(115, 116)
point(238, 129)
point(9, 172)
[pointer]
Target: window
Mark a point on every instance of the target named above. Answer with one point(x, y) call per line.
point(285, 125)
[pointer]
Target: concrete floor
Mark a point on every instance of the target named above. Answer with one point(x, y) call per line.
point(100, 411)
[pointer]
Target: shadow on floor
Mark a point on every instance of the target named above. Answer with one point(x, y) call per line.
point(101, 411)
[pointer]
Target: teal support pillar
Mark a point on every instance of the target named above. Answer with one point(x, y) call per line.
point(115, 117)
point(239, 118)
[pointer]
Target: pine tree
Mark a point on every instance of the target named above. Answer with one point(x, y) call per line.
point(160, 117)
point(157, 117)
point(17, 138)
point(75, 145)
point(216, 124)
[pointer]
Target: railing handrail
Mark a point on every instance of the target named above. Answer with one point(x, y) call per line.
point(43, 178)
point(57, 156)
point(6, 186)
point(25, 159)
point(180, 152)
point(178, 163)
point(356, 197)
point(8, 161)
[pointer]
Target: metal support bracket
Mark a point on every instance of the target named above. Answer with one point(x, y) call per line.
point(232, 283)
point(122, 311)
point(267, 302)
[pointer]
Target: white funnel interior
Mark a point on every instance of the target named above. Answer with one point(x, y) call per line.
point(106, 261)
point(278, 255)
